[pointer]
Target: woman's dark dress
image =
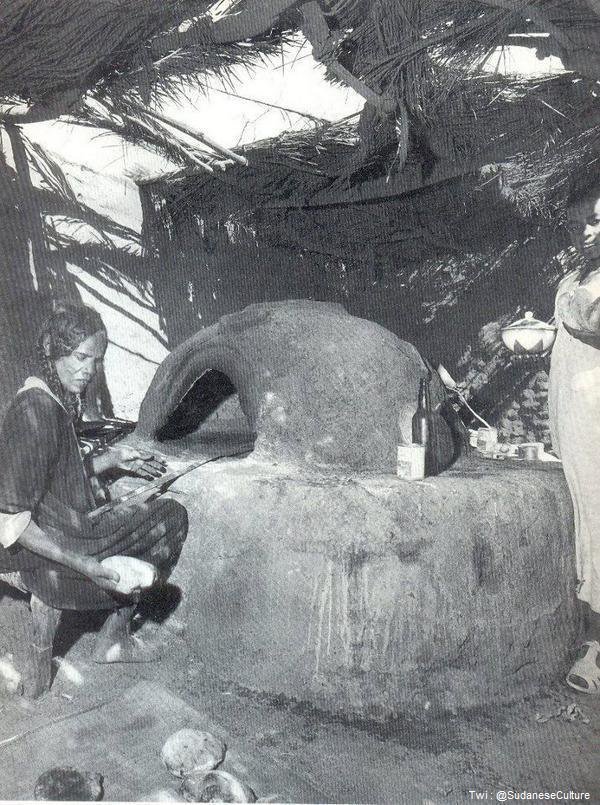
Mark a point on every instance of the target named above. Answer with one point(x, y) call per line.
point(41, 471)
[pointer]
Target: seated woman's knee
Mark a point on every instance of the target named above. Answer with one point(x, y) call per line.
point(173, 514)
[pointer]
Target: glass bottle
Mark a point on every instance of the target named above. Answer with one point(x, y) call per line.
point(425, 429)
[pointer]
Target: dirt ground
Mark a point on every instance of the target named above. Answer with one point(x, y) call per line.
point(545, 744)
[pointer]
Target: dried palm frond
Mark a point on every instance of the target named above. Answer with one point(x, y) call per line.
point(290, 167)
point(498, 113)
point(51, 176)
point(222, 8)
point(170, 77)
point(419, 51)
point(399, 47)
point(539, 181)
point(395, 45)
point(49, 45)
point(129, 119)
point(489, 122)
point(423, 55)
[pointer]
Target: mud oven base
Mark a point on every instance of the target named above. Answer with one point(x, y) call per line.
point(374, 596)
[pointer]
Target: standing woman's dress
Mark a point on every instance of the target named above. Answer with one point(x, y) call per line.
point(42, 477)
point(574, 403)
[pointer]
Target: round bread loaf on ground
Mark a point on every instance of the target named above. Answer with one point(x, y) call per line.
point(189, 751)
point(68, 785)
point(216, 786)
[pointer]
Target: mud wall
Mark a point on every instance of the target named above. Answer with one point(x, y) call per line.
point(67, 232)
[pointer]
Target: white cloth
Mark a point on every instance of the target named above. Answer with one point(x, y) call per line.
point(574, 406)
point(13, 525)
point(37, 383)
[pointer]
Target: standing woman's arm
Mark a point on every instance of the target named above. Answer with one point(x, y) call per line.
point(591, 339)
point(583, 312)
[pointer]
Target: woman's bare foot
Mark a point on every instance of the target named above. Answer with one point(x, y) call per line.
point(115, 643)
point(129, 649)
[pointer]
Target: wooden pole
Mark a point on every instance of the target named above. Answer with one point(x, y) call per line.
point(197, 135)
point(314, 25)
point(172, 141)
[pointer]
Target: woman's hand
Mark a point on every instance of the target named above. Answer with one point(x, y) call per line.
point(100, 575)
point(130, 460)
point(139, 462)
point(591, 339)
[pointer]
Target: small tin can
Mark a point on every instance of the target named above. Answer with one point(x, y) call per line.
point(410, 463)
point(487, 440)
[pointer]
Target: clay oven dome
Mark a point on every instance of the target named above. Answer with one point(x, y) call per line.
point(317, 386)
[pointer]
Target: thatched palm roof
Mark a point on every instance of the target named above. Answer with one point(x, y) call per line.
point(54, 45)
point(411, 51)
point(53, 52)
point(402, 48)
point(416, 62)
point(556, 119)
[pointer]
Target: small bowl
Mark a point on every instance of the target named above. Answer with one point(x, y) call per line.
point(528, 336)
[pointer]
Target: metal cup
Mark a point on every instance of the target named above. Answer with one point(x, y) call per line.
point(530, 451)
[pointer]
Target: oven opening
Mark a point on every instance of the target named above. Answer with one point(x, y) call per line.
point(209, 413)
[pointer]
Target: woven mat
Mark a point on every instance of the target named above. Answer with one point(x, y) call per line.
point(121, 739)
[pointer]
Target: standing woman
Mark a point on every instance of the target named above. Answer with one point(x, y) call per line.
point(46, 497)
point(574, 401)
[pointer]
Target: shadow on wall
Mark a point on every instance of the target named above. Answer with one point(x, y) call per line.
point(46, 234)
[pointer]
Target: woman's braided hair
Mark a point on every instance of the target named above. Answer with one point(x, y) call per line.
point(63, 331)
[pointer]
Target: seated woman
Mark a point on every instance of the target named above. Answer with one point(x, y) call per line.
point(45, 494)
